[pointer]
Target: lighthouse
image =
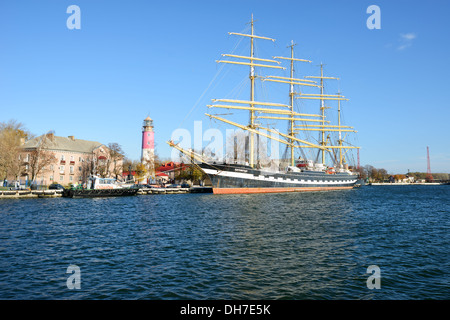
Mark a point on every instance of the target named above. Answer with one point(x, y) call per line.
point(148, 146)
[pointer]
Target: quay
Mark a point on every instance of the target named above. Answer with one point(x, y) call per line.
point(13, 194)
point(25, 194)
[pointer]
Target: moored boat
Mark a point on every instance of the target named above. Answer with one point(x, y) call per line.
point(228, 178)
point(100, 187)
point(323, 163)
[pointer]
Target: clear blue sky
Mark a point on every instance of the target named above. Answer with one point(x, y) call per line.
point(133, 59)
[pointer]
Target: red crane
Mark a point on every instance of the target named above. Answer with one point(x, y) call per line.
point(358, 160)
point(429, 176)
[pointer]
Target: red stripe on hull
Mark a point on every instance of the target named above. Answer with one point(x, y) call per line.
point(274, 190)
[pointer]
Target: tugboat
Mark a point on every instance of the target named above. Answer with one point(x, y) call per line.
point(100, 187)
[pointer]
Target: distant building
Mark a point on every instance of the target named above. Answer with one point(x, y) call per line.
point(161, 177)
point(67, 160)
point(171, 169)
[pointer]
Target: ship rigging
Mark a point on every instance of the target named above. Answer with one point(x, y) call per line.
point(299, 174)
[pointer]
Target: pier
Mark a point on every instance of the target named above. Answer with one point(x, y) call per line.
point(25, 194)
point(13, 194)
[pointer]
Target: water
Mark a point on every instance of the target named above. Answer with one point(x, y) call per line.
point(203, 246)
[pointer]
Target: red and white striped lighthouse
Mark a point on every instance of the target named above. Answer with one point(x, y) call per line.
point(148, 145)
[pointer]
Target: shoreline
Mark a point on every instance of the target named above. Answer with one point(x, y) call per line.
point(27, 194)
point(405, 184)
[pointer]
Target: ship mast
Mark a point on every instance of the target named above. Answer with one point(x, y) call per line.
point(277, 111)
point(322, 109)
point(340, 134)
point(251, 126)
point(291, 96)
point(252, 97)
point(322, 98)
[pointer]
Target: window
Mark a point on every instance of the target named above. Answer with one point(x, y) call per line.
point(80, 168)
point(51, 178)
point(72, 158)
point(61, 169)
point(62, 157)
point(71, 178)
point(71, 169)
point(61, 178)
point(52, 167)
point(79, 159)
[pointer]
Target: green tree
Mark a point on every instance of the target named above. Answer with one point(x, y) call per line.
point(141, 171)
point(382, 175)
point(190, 172)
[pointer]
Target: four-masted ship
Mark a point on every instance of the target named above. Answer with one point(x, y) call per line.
point(298, 174)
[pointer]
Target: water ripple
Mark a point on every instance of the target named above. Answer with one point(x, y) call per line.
point(199, 246)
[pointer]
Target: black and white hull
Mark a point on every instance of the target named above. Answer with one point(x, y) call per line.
point(231, 178)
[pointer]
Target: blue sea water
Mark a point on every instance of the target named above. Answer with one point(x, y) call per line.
point(315, 245)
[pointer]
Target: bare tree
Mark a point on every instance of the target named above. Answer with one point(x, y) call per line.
point(115, 159)
point(362, 172)
point(40, 159)
point(87, 167)
point(369, 170)
point(101, 166)
point(12, 135)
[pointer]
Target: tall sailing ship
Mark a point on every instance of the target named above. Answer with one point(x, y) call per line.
point(295, 173)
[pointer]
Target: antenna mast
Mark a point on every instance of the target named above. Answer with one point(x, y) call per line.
point(429, 176)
